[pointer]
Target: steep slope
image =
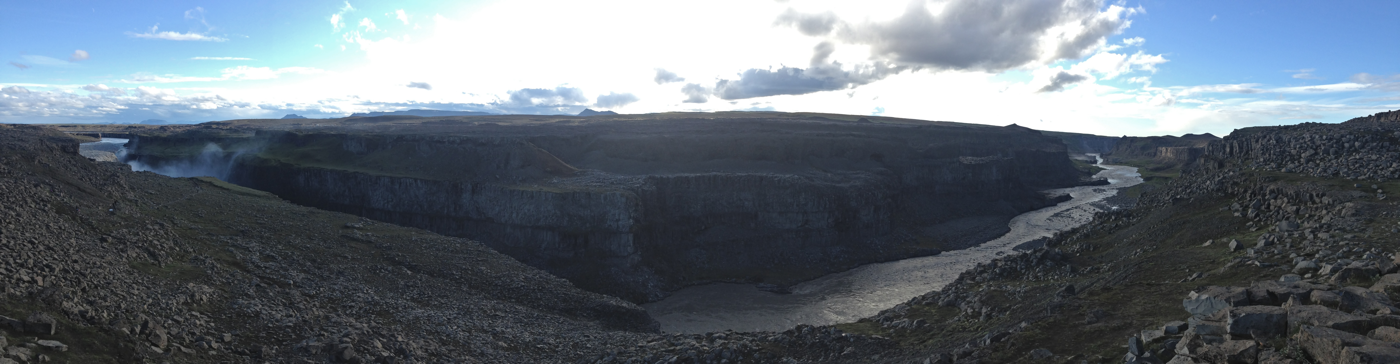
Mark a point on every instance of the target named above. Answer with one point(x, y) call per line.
point(121, 267)
point(637, 205)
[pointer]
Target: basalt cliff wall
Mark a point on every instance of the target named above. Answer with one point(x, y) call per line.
point(636, 209)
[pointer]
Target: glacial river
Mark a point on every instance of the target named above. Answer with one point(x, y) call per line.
point(864, 291)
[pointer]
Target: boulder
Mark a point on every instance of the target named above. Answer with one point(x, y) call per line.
point(1388, 284)
point(1233, 296)
point(1330, 346)
point(1174, 328)
point(52, 345)
point(1385, 333)
point(1314, 315)
point(1202, 306)
point(1248, 321)
point(1233, 352)
point(1274, 357)
point(1193, 344)
point(1136, 347)
point(1325, 298)
point(1235, 245)
point(1305, 267)
point(1357, 299)
point(1182, 359)
point(1152, 336)
point(41, 324)
point(1354, 272)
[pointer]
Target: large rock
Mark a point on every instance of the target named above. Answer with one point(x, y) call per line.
point(1234, 296)
point(1232, 352)
point(1325, 298)
point(1305, 267)
point(1314, 315)
point(1268, 321)
point(1203, 305)
point(1388, 284)
point(1330, 346)
point(40, 323)
point(1385, 333)
point(1357, 299)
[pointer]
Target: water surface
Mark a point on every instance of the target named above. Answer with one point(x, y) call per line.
point(864, 291)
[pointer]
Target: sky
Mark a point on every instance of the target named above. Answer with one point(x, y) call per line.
point(1148, 67)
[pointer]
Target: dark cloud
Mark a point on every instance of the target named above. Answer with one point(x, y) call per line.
point(20, 65)
point(422, 85)
point(665, 77)
point(988, 35)
point(695, 94)
point(819, 76)
point(615, 100)
point(1062, 79)
point(810, 24)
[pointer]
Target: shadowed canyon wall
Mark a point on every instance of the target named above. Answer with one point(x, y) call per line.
point(638, 208)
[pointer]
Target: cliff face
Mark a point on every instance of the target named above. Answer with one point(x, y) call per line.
point(1079, 144)
point(640, 208)
point(1160, 149)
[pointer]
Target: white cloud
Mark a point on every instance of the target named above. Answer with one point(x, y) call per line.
point(46, 61)
point(401, 16)
point(220, 58)
point(337, 19)
point(1305, 74)
point(420, 85)
point(368, 25)
point(1212, 18)
point(104, 89)
point(79, 55)
point(240, 73)
point(1110, 65)
point(169, 35)
point(1134, 41)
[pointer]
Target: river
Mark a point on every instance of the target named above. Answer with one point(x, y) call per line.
point(864, 291)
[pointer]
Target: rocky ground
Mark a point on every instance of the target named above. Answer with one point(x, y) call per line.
point(101, 264)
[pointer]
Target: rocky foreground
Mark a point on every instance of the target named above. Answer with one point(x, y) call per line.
point(101, 264)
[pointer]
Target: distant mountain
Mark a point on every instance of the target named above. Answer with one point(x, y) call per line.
point(420, 112)
point(1085, 143)
point(591, 112)
point(293, 116)
point(153, 122)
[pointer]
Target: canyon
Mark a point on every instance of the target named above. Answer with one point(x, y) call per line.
point(637, 207)
point(1272, 245)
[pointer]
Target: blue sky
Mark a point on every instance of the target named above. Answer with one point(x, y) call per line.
point(1118, 68)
